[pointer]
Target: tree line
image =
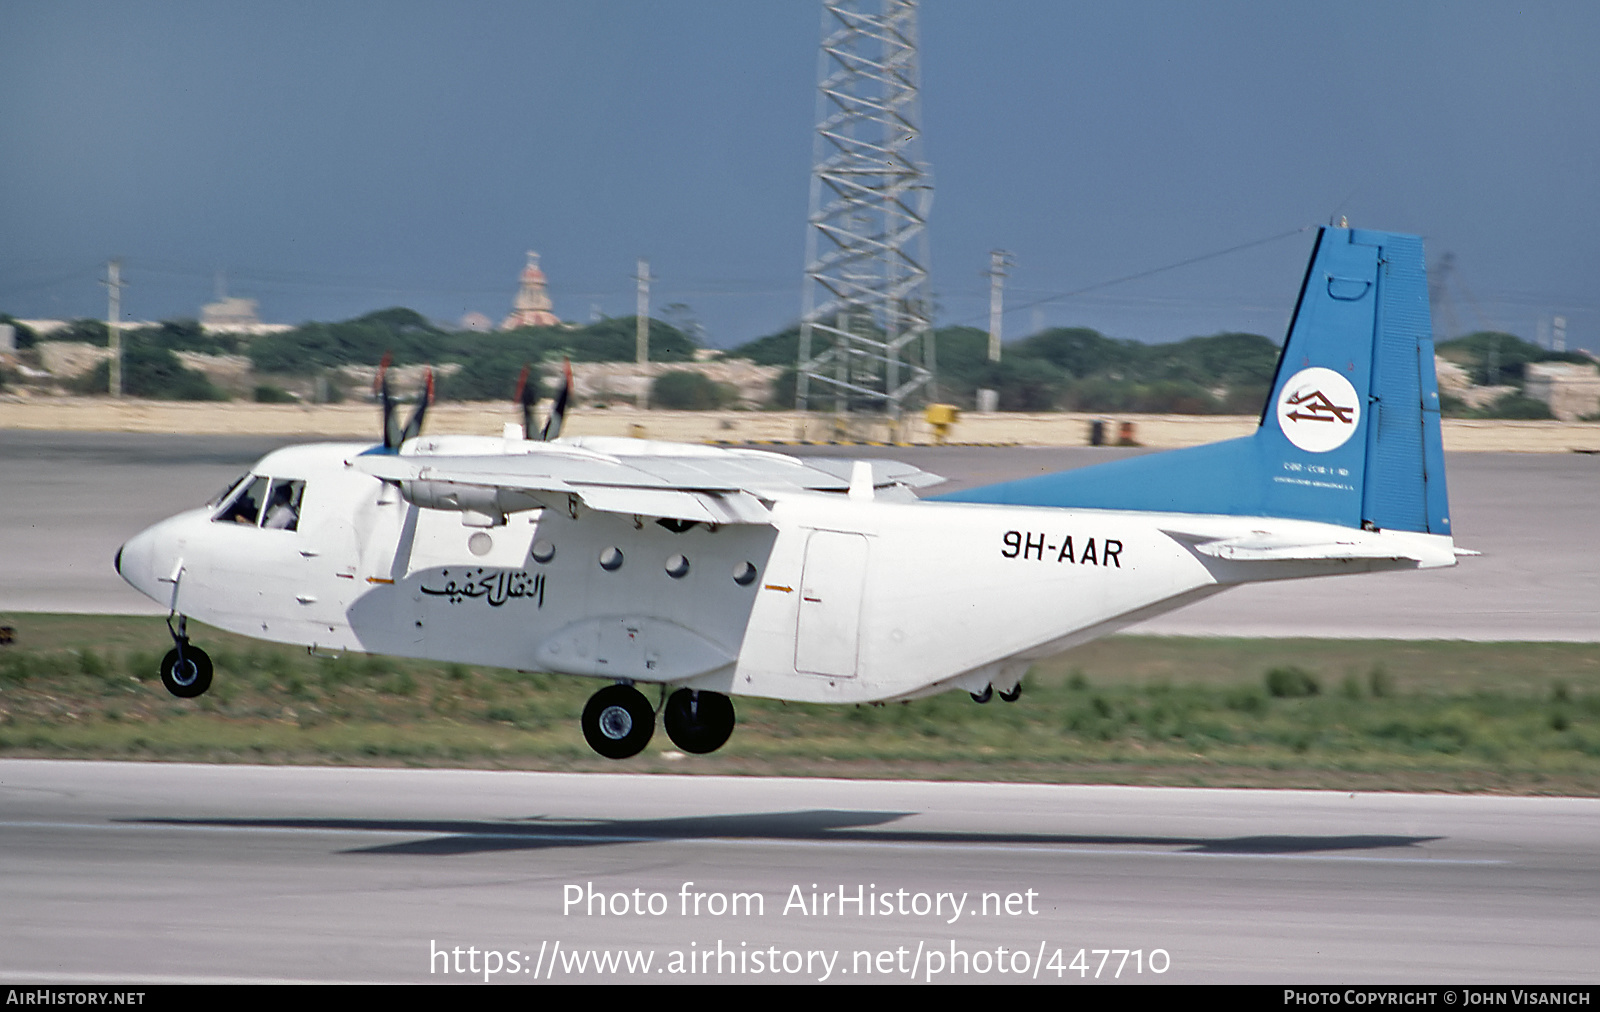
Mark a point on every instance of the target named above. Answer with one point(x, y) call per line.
point(1063, 368)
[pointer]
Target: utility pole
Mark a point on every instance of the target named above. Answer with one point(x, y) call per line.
point(113, 285)
point(642, 333)
point(999, 260)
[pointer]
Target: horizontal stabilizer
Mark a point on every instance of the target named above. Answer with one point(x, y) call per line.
point(1268, 546)
point(1251, 549)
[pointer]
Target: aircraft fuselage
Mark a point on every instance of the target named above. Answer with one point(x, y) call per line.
point(839, 599)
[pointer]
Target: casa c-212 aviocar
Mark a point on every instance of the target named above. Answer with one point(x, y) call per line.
point(717, 572)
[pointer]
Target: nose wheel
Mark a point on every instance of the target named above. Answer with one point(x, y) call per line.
point(618, 721)
point(186, 670)
point(698, 721)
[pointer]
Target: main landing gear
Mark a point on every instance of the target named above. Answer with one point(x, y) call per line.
point(1010, 695)
point(618, 720)
point(698, 721)
point(186, 670)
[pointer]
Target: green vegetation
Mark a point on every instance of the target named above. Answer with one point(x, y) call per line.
point(266, 393)
point(1063, 368)
point(1493, 358)
point(150, 370)
point(682, 390)
point(1521, 717)
point(86, 331)
point(1078, 369)
point(489, 361)
point(1515, 405)
point(187, 335)
point(22, 335)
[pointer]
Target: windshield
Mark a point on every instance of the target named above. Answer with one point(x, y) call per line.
point(245, 505)
point(260, 501)
point(226, 490)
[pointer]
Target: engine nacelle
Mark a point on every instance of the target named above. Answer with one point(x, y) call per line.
point(479, 505)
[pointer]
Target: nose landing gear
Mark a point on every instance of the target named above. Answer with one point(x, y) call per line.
point(186, 670)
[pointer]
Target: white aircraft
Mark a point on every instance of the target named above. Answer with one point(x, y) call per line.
point(719, 572)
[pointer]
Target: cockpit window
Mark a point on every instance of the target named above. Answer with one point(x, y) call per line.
point(272, 503)
point(283, 505)
point(224, 491)
point(245, 506)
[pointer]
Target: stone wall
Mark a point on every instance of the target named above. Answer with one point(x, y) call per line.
point(360, 421)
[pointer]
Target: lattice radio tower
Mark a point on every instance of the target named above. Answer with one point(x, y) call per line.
point(865, 338)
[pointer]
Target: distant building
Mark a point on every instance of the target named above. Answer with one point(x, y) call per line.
point(1572, 389)
point(532, 306)
point(229, 314)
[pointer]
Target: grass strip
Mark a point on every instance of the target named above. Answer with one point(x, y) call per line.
point(1301, 713)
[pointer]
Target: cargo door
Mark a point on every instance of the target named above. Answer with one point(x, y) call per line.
point(828, 634)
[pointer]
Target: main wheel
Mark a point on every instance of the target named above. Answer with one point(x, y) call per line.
point(984, 696)
point(1014, 694)
point(186, 671)
point(618, 721)
point(698, 721)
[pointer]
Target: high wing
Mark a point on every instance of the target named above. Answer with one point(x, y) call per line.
point(613, 475)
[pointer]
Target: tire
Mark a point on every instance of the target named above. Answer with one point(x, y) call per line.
point(186, 671)
point(1014, 695)
point(698, 722)
point(984, 696)
point(618, 721)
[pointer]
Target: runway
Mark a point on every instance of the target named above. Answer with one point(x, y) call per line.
point(68, 500)
point(149, 873)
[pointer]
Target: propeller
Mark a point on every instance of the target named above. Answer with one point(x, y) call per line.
point(413, 427)
point(526, 398)
point(558, 413)
point(393, 433)
point(380, 386)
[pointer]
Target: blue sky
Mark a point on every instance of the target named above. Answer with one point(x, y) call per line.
point(339, 157)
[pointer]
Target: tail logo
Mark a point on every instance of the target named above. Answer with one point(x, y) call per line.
point(1318, 410)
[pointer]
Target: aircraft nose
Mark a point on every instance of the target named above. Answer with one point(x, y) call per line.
point(139, 561)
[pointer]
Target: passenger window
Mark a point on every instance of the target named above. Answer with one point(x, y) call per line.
point(245, 506)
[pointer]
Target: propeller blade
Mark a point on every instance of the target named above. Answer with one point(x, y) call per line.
point(391, 430)
point(414, 426)
point(526, 398)
point(558, 413)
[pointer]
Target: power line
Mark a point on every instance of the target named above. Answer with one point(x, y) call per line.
point(1151, 273)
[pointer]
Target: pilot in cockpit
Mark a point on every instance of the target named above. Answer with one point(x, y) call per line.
point(283, 512)
point(246, 506)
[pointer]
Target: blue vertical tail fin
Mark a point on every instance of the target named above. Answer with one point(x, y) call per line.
point(1349, 434)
